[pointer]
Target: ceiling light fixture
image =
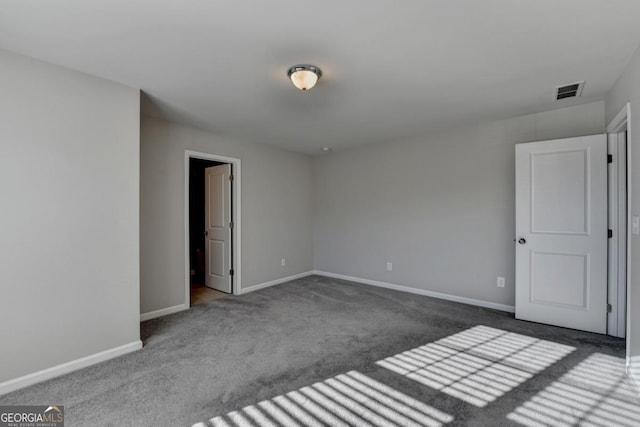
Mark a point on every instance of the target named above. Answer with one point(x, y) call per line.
point(304, 77)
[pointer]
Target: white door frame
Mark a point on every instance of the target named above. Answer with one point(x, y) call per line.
point(235, 218)
point(619, 291)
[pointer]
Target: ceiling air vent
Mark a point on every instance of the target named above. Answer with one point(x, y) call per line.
point(571, 90)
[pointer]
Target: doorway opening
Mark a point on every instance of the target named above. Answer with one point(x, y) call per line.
point(197, 232)
point(618, 138)
point(212, 262)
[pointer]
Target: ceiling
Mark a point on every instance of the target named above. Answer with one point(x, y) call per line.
point(391, 69)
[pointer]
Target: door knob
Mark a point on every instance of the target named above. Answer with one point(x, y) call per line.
point(206, 234)
point(522, 240)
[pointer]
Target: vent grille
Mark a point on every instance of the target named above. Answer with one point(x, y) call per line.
point(570, 90)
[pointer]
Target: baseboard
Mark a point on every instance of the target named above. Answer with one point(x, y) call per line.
point(275, 282)
point(163, 312)
point(633, 371)
point(448, 297)
point(65, 368)
point(177, 308)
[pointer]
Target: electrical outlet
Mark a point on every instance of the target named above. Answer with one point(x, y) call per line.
point(283, 262)
point(389, 266)
point(500, 282)
point(635, 224)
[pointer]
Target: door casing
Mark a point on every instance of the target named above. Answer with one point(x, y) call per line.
point(617, 200)
point(620, 123)
point(236, 215)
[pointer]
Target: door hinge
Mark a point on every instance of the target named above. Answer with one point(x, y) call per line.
point(231, 272)
point(230, 177)
point(609, 158)
point(609, 308)
point(231, 225)
point(610, 233)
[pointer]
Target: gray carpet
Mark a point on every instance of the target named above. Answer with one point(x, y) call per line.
point(233, 353)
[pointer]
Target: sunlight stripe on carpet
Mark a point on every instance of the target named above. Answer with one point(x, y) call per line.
point(350, 399)
point(478, 365)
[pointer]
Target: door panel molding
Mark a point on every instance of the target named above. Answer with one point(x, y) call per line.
point(584, 270)
point(216, 259)
point(555, 204)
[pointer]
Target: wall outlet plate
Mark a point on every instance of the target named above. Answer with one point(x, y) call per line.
point(283, 262)
point(500, 282)
point(389, 266)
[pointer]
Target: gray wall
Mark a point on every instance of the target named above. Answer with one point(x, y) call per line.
point(626, 89)
point(69, 173)
point(440, 208)
point(276, 210)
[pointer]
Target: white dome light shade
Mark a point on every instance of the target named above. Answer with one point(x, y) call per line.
point(304, 77)
point(304, 80)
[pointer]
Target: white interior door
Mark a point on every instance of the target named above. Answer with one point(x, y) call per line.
point(561, 232)
point(218, 228)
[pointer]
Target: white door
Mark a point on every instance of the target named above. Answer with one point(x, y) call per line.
point(218, 228)
point(561, 232)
